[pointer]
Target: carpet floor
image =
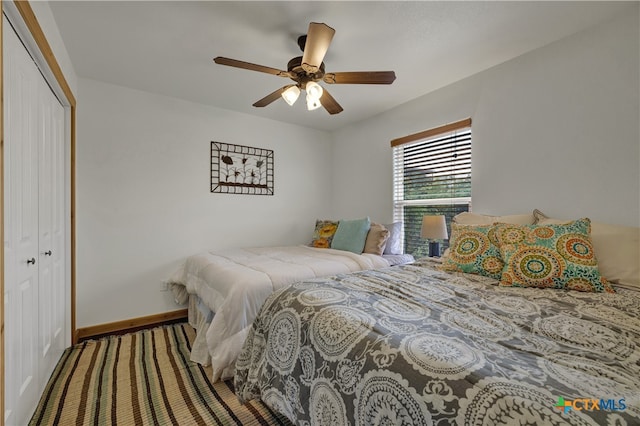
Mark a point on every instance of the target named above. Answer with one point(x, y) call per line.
point(142, 378)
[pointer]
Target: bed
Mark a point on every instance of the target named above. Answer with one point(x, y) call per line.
point(418, 345)
point(225, 290)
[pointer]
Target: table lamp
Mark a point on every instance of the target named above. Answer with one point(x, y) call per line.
point(434, 227)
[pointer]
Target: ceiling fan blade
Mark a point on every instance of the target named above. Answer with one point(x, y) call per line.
point(360, 77)
point(319, 38)
point(271, 97)
point(329, 103)
point(249, 66)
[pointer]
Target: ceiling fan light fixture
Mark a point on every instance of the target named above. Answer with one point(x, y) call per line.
point(290, 95)
point(314, 91)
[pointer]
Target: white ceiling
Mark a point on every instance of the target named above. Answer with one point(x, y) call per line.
point(167, 47)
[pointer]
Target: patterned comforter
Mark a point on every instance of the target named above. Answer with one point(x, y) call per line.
point(414, 345)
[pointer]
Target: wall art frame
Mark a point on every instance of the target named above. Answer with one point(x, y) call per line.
point(240, 169)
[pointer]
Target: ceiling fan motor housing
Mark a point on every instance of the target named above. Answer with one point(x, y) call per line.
point(301, 76)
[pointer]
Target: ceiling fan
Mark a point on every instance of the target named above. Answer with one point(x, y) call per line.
point(308, 69)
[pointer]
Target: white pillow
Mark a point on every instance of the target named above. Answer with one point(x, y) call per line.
point(468, 218)
point(394, 245)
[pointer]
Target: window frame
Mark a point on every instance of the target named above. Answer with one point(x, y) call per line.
point(426, 136)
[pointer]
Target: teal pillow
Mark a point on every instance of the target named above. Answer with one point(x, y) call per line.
point(351, 235)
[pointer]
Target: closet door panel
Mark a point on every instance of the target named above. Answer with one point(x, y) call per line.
point(50, 232)
point(35, 268)
point(44, 226)
point(21, 226)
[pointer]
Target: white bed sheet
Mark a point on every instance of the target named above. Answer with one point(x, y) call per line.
point(234, 283)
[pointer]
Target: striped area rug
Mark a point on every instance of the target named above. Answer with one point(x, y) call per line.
point(142, 378)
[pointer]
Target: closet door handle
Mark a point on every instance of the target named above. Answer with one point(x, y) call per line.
point(31, 261)
point(47, 253)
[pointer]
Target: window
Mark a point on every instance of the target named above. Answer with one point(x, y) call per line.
point(431, 175)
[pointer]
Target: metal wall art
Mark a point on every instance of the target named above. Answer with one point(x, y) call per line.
point(238, 169)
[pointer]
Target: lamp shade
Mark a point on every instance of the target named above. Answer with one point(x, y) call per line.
point(434, 227)
point(291, 95)
point(314, 91)
point(313, 103)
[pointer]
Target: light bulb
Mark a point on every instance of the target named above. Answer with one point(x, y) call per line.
point(290, 95)
point(314, 90)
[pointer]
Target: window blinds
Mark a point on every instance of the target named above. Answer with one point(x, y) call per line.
point(432, 175)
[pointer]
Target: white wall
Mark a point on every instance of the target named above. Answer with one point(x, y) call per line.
point(555, 129)
point(143, 200)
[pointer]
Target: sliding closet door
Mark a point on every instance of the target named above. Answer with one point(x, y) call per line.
point(51, 292)
point(21, 86)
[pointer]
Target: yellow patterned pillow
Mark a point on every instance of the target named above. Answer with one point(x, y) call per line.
point(550, 256)
point(323, 233)
point(473, 249)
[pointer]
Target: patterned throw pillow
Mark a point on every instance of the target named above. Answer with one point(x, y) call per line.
point(323, 233)
point(473, 249)
point(550, 256)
